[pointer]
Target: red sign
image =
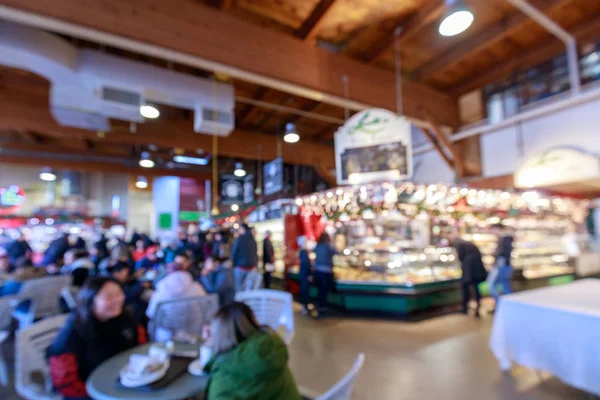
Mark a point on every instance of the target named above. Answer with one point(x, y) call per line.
point(11, 199)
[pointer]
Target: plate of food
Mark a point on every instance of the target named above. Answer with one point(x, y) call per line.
point(144, 369)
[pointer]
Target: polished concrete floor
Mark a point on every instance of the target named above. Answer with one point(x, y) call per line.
point(441, 358)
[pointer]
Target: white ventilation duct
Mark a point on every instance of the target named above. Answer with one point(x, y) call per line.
point(89, 87)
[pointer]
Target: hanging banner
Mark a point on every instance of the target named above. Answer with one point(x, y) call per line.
point(235, 189)
point(373, 145)
point(273, 176)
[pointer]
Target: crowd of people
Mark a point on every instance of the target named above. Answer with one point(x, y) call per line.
point(120, 285)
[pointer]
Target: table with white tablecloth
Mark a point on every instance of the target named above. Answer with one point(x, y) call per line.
point(554, 329)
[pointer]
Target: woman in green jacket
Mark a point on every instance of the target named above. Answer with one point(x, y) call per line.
point(250, 362)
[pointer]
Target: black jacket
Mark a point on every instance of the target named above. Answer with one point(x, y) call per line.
point(469, 255)
point(243, 252)
point(75, 354)
point(268, 252)
point(505, 248)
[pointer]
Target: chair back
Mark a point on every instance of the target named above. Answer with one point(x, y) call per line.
point(343, 389)
point(30, 356)
point(69, 295)
point(45, 293)
point(253, 281)
point(272, 308)
point(187, 315)
point(6, 309)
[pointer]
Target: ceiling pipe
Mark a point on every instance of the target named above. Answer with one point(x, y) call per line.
point(561, 34)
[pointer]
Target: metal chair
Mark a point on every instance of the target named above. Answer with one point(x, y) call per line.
point(253, 281)
point(30, 358)
point(341, 390)
point(272, 308)
point(187, 316)
point(6, 308)
point(69, 295)
point(44, 294)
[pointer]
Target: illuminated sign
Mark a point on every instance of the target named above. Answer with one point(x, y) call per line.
point(11, 198)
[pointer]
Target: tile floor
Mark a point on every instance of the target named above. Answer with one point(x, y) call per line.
point(441, 358)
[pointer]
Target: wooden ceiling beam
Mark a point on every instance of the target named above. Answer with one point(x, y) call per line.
point(481, 41)
point(426, 13)
point(586, 30)
point(221, 42)
point(310, 27)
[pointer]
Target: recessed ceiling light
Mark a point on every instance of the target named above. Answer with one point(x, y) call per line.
point(141, 183)
point(149, 112)
point(239, 170)
point(457, 19)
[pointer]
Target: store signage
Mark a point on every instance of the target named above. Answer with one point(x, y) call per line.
point(559, 166)
point(373, 145)
point(236, 190)
point(11, 199)
point(273, 175)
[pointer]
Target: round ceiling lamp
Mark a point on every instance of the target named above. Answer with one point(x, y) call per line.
point(149, 111)
point(457, 18)
point(47, 175)
point(235, 207)
point(146, 161)
point(141, 183)
point(239, 170)
point(291, 135)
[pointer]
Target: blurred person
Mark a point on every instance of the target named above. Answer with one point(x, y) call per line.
point(133, 289)
point(177, 284)
point(5, 269)
point(249, 362)
point(473, 270)
point(170, 251)
point(150, 260)
point(98, 329)
point(56, 251)
point(24, 271)
point(79, 244)
point(502, 272)
point(323, 271)
point(135, 236)
point(209, 246)
point(268, 259)
point(243, 256)
point(78, 265)
point(305, 273)
point(196, 249)
point(217, 278)
point(18, 249)
point(139, 252)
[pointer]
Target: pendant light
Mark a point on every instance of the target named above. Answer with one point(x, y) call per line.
point(47, 175)
point(457, 18)
point(141, 183)
point(291, 135)
point(239, 170)
point(146, 161)
point(149, 112)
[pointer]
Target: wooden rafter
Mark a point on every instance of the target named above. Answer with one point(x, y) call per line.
point(482, 40)
point(441, 136)
point(310, 27)
point(586, 30)
point(438, 147)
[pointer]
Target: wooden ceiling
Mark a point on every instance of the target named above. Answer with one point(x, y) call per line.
point(500, 42)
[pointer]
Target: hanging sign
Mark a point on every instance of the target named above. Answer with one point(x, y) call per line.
point(373, 145)
point(273, 175)
point(235, 189)
point(11, 199)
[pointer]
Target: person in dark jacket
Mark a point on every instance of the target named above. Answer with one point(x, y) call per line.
point(217, 278)
point(323, 275)
point(133, 289)
point(243, 256)
point(268, 259)
point(473, 270)
point(98, 329)
point(19, 249)
point(56, 251)
point(502, 272)
point(305, 272)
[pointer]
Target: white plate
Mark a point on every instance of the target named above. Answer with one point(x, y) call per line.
point(144, 379)
point(195, 368)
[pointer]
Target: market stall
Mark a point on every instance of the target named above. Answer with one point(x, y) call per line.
point(393, 252)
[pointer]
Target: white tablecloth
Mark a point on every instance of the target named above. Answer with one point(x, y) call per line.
point(554, 329)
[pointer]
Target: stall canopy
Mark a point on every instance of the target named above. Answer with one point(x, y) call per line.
point(565, 169)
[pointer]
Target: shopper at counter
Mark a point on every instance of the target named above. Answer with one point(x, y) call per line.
point(18, 249)
point(473, 270)
point(243, 255)
point(268, 259)
point(217, 278)
point(98, 329)
point(502, 272)
point(305, 273)
point(324, 253)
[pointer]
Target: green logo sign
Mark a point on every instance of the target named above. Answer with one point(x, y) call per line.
point(372, 126)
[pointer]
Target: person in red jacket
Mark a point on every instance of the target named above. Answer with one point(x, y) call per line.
point(97, 329)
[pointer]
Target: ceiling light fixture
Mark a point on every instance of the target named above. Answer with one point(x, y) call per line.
point(141, 183)
point(146, 161)
point(239, 170)
point(47, 175)
point(149, 111)
point(291, 135)
point(457, 18)
point(235, 207)
point(190, 160)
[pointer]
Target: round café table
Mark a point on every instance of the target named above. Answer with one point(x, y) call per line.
point(102, 383)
